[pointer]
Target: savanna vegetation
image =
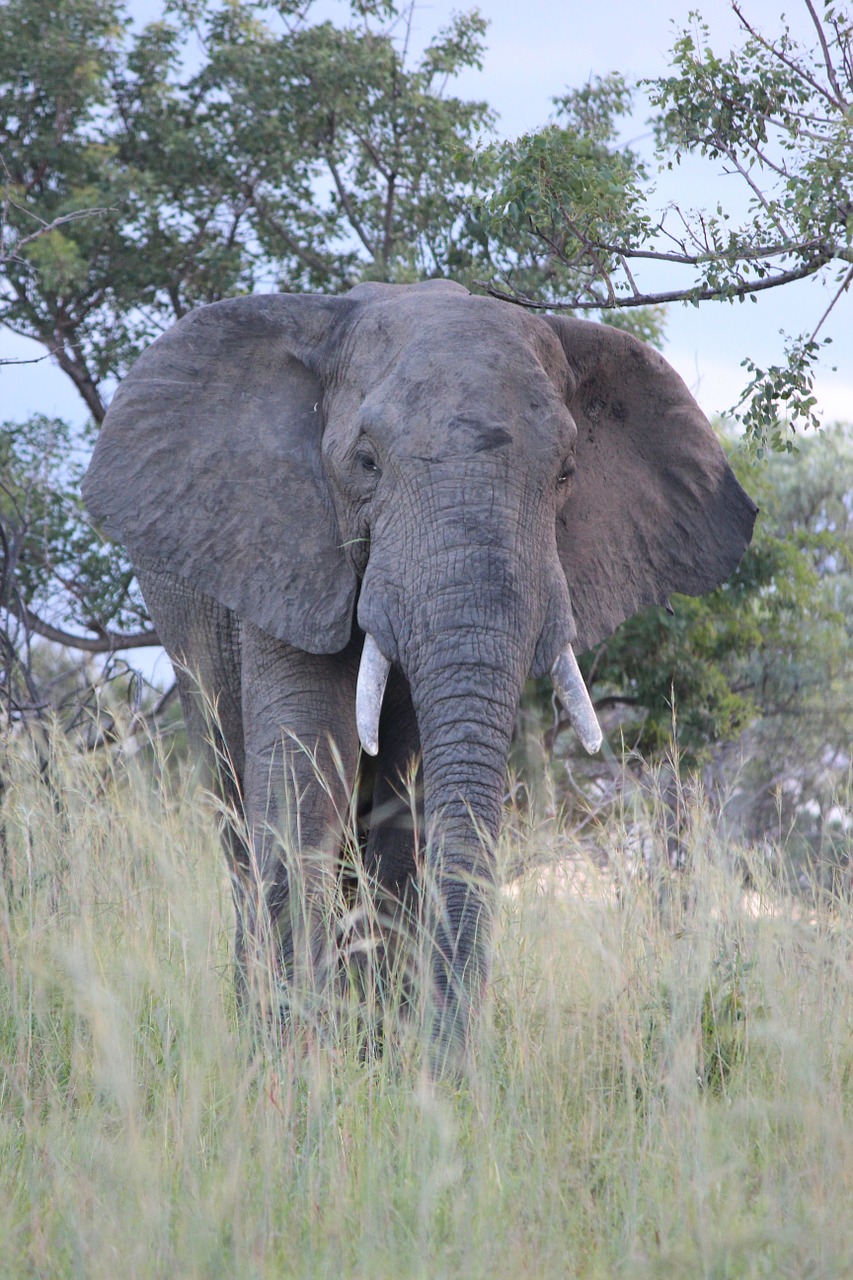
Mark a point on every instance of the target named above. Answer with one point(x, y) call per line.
point(661, 1084)
point(662, 1081)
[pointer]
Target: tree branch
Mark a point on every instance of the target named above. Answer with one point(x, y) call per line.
point(44, 229)
point(788, 62)
point(707, 255)
point(347, 203)
point(845, 285)
point(106, 642)
point(723, 294)
point(307, 257)
point(55, 342)
point(827, 60)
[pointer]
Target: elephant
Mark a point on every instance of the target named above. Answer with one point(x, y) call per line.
point(359, 523)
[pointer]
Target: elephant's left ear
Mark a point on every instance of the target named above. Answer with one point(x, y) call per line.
point(655, 506)
point(209, 464)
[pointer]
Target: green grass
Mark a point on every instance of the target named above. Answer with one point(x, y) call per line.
point(661, 1084)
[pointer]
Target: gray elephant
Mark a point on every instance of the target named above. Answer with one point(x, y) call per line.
point(370, 518)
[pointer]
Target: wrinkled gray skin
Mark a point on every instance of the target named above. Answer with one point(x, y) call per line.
point(473, 485)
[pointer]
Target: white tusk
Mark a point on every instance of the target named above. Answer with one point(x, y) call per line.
point(372, 677)
point(572, 692)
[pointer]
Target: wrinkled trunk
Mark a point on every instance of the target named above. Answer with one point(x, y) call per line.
point(460, 604)
point(466, 709)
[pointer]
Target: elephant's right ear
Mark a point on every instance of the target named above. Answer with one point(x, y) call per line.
point(655, 506)
point(209, 462)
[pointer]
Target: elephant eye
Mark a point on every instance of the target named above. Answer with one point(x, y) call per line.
point(567, 470)
point(367, 462)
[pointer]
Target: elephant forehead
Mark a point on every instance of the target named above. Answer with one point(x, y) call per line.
point(475, 435)
point(441, 380)
point(461, 416)
point(444, 374)
point(445, 327)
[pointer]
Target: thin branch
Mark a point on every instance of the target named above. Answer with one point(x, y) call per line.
point(781, 170)
point(846, 51)
point(347, 203)
point(45, 228)
point(788, 62)
point(757, 192)
point(106, 642)
point(725, 294)
point(29, 360)
point(307, 257)
point(373, 153)
point(632, 282)
point(845, 285)
point(827, 59)
point(592, 253)
point(686, 259)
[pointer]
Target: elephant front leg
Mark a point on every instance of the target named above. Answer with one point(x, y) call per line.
point(386, 935)
point(396, 812)
point(301, 753)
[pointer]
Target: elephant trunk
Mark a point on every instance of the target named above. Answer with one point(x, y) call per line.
point(465, 621)
point(465, 708)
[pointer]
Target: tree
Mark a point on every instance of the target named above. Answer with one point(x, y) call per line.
point(788, 772)
point(297, 155)
point(572, 222)
point(291, 154)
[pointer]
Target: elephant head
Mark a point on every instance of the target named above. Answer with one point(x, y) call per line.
point(483, 491)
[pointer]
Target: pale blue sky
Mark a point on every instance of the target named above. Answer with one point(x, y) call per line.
point(538, 47)
point(535, 49)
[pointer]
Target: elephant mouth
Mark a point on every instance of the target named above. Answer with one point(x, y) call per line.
point(565, 676)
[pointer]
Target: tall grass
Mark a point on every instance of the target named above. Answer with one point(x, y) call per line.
point(661, 1085)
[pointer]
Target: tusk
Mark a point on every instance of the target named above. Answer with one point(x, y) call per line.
point(572, 692)
point(372, 676)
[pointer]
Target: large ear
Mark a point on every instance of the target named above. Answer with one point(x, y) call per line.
point(655, 506)
point(209, 461)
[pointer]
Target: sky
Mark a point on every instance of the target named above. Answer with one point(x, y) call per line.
point(535, 49)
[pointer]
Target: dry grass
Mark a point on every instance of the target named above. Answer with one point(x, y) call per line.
point(661, 1087)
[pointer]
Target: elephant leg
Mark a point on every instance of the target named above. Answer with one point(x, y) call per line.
point(300, 762)
point(396, 812)
point(392, 852)
point(202, 639)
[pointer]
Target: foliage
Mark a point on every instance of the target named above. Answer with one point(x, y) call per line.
point(56, 579)
point(49, 539)
point(297, 155)
point(143, 1129)
point(776, 112)
point(563, 184)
